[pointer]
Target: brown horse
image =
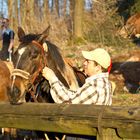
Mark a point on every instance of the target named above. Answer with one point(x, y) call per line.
point(5, 83)
point(29, 60)
point(132, 27)
point(5, 88)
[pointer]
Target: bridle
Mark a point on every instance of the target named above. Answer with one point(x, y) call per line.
point(31, 86)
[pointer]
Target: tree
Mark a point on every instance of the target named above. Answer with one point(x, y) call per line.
point(22, 13)
point(46, 12)
point(78, 18)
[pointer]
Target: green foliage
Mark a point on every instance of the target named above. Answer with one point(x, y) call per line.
point(126, 8)
point(136, 7)
point(106, 33)
point(70, 55)
point(77, 41)
point(102, 27)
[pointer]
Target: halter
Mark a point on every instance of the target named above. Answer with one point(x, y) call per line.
point(26, 75)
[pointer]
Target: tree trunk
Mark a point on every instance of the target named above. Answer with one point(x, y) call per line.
point(16, 18)
point(22, 13)
point(57, 7)
point(78, 18)
point(46, 12)
point(64, 8)
point(10, 12)
point(29, 15)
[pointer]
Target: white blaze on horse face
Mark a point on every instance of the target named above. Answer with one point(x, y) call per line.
point(21, 51)
point(45, 47)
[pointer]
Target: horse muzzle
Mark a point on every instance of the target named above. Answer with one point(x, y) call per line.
point(14, 95)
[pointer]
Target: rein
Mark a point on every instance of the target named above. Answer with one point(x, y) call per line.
point(23, 74)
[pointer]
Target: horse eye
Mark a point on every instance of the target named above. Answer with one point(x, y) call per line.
point(34, 54)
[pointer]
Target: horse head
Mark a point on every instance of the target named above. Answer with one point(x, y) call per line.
point(29, 60)
point(131, 28)
point(127, 31)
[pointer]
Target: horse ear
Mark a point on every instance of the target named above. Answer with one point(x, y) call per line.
point(44, 34)
point(20, 33)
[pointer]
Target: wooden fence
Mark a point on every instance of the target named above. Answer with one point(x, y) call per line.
point(106, 122)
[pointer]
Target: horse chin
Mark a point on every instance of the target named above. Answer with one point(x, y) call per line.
point(21, 101)
point(17, 102)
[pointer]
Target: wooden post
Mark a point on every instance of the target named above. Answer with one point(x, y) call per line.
point(108, 134)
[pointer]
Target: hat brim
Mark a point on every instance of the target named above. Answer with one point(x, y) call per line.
point(87, 55)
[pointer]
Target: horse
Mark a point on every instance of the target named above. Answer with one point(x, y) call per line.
point(29, 59)
point(5, 82)
point(5, 88)
point(131, 28)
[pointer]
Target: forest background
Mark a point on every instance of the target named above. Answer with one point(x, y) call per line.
point(78, 25)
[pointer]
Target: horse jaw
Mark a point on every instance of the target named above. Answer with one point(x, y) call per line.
point(22, 95)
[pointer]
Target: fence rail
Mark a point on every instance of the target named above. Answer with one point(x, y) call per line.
point(123, 122)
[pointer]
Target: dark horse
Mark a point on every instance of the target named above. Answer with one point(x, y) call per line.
point(29, 60)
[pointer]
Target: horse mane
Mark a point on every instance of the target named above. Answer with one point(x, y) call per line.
point(55, 55)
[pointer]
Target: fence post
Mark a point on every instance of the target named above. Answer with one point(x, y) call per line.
point(107, 134)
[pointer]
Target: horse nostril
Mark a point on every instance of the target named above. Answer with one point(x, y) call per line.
point(16, 90)
point(15, 94)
